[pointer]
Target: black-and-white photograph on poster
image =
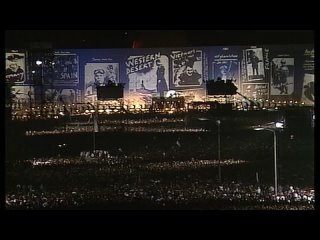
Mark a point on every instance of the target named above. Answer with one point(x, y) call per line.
point(22, 96)
point(226, 69)
point(61, 96)
point(15, 68)
point(150, 78)
point(187, 68)
point(254, 64)
point(256, 90)
point(282, 76)
point(100, 74)
point(308, 89)
point(65, 70)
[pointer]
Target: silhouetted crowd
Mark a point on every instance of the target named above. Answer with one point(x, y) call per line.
point(103, 181)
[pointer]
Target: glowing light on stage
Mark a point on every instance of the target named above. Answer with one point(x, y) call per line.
point(171, 93)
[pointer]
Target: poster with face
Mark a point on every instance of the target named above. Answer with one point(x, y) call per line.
point(148, 76)
point(282, 76)
point(15, 68)
point(254, 64)
point(100, 74)
point(187, 68)
point(226, 69)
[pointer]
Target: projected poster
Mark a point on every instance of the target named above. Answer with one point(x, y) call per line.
point(65, 70)
point(226, 65)
point(61, 96)
point(22, 95)
point(282, 76)
point(307, 95)
point(254, 64)
point(226, 69)
point(187, 68)
point(147, 76)
point(99, 74)
point(308, 89)
point(15, 68)
point(256, 90)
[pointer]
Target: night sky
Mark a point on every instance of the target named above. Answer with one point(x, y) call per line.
point(154, 38)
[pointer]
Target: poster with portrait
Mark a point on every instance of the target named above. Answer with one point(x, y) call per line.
point(100, 74)
point(307, 95)
point(148, 76)
point(226, 69)
point(15, 68)
point(61, 96)
point(64, 70)
point(254, 64)
point(282, 76)
point(22, 95)
point(187, 68)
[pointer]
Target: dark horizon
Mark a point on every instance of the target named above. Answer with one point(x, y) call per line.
point(153, 38)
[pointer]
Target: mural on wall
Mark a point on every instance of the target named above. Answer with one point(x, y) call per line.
point(148, 76)
point(23, 96)
point(99, 74)
point(62, 96)
point(64, 70)
point(226, 65)
point(307, 94)
point(282, 76)
point(187, 68)
point(254, 64)
point(15, 68)
point(256, 90)
point(280, 72)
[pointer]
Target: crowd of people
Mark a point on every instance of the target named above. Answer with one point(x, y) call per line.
point(167, 169)
point(147, 178)
point(123, 184)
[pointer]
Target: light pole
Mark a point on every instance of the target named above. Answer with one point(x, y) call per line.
point(273, 130)
point(40, 63)
point(95, 125)
point(219, 154)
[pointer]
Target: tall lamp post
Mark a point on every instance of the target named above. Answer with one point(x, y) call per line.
point(219, 150)
point(274, 131)
point(40, 63)
point(95, 124)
